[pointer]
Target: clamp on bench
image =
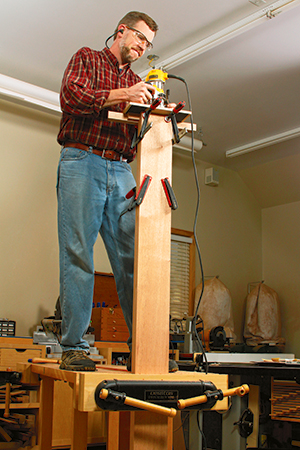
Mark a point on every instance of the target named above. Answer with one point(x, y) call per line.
point(145, 126)
point(162, 397)
point(123, 399)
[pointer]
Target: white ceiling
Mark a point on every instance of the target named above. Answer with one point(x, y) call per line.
point(242, 90)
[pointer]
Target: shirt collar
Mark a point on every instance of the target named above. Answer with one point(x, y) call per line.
point(113, 60)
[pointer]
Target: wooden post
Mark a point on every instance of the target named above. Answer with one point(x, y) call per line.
point(150, 348)
point(151, 301)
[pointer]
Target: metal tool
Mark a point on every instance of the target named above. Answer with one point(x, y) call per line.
point(157, 78)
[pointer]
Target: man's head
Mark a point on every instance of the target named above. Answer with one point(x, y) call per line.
point(134, 34)
point(133, 17)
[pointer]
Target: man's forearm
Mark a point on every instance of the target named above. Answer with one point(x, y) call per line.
point(117, 96)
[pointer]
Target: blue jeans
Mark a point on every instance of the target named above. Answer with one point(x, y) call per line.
point(91, 197)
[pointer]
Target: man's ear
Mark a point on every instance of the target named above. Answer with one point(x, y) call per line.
point(121, 28)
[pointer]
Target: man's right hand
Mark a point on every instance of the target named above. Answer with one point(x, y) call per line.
point(138, 93)
point(141, 92)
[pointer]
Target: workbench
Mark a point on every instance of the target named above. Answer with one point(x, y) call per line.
point(113, 424)
point(136, 429)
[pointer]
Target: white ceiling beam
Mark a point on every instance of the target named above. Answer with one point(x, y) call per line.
point(225, 34)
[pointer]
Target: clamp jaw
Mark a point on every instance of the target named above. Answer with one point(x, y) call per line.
point(172, 117)
point(139, 197)
point(145, 126)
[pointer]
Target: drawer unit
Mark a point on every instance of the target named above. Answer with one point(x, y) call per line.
point(109, 324)
point(11, 354)
point(7, 327)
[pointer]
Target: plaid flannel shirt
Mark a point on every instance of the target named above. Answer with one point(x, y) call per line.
point(87, 81)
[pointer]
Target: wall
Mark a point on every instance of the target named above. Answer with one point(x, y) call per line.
point(228, 229)
point(29, 252)
point(281, 262)
point(229, 223)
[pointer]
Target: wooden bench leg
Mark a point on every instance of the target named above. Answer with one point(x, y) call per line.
point(80, 430)
point(113, 423)
point(46, 413)
point(150, 431)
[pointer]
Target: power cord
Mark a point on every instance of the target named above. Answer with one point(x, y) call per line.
point(194, 321)
point(204, 442)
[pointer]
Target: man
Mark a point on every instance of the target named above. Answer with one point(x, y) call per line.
point(94, 177)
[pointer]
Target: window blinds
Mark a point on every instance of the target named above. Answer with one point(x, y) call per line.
point(180, 276)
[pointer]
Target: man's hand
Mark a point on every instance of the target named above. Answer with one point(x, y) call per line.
point(141, 92)
point(138, 93)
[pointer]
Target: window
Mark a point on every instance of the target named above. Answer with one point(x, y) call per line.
point(182, 274)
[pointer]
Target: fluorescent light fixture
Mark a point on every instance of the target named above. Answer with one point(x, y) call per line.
point(257, 2)
point(224, 35)
point(185, 144)
point(281, 137)
point(19, 91)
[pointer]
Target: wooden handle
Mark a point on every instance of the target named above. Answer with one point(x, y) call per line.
point(44, 360)
point(191, 401)
point(240, 391)
point(7, 400)
point(170, 412)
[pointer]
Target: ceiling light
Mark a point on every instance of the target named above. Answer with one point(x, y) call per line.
point(258, 2)
point(185, 144)
point(282, 137)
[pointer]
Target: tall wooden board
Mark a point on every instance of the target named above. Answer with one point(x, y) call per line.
point(151, 306)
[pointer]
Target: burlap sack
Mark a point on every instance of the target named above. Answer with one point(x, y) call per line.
point(215, 307)
point(262, 318)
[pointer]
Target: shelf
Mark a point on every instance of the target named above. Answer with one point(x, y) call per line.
point(21, 405)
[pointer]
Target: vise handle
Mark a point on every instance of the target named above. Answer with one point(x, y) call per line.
point(218, 395)
point(122, 397)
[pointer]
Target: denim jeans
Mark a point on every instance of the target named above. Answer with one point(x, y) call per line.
point(91, 197)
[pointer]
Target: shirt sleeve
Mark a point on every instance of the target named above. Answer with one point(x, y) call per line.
point(77, 95)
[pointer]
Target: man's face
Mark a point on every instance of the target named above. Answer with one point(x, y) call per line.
point(134, 42)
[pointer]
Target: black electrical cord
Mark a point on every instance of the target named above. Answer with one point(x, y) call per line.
point(112, 35)
point(194, 329)
point(204, 442)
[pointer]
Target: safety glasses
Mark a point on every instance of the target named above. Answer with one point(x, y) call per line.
point(141, 38)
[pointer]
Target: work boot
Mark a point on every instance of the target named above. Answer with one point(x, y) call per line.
point(76, 360)
point(173, 367)
point(52, 327)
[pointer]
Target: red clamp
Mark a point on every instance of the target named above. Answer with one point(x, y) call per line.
point(139, 197)
point(169, 193)
point(172, 117)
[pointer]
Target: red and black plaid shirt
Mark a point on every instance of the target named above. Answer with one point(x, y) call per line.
point(87, 82)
